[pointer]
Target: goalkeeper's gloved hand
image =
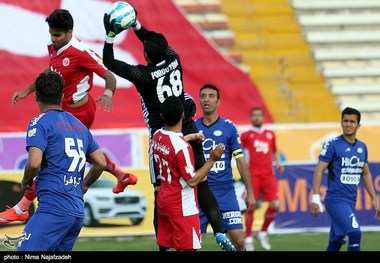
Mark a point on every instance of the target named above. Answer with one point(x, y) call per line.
point(136, 24)
point(111, 30)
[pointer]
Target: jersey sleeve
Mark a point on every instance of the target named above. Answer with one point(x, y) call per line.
point(235, 142)
point(133, 73)
point(185, 163)
point(92, 144)
point(37, 135)
point(274, 142)
point(327, 152)
point(92, 61)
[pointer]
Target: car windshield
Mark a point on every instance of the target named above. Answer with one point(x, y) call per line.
point(101, 183)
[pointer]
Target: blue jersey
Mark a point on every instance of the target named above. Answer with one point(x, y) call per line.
point(345, 167)
point(221, 131)
point(65, 143)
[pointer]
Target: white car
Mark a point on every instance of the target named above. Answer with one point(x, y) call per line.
point(101, 203)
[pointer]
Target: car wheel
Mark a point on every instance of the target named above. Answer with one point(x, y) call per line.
point(88, 219)
point(136, 221)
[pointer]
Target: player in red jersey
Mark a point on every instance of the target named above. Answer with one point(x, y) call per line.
point(178, 214)
point(260, 145)
point(76, 63)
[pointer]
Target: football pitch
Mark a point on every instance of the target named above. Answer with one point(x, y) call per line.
point(279, 242)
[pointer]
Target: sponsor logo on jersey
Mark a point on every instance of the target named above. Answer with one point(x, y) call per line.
point(218, 133)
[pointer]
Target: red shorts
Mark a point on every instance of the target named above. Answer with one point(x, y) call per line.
point(265, 185)
point(85, 113)
point(180, 233)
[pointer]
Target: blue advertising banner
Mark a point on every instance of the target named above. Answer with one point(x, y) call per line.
point(295, 192)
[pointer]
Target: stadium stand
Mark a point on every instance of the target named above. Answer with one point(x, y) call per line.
point(344, 37)
point(273, 47)
point(309, 59)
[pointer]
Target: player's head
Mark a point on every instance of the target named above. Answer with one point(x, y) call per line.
point(61, 25)
point(209, 96)
point(155, 46)
point(172, 111)
point(350, 121)
point(49, 88)
point(257, 117)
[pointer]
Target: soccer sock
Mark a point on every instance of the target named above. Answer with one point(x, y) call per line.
point(114, 169)
point(31, 195)
point(268, 218)
point(354, 239)
point(210, 207)
point(23, 205)
point(333, 246)
point(248, 223)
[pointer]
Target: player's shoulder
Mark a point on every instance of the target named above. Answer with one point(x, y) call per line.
point(360, 142)
point(39, 119)
point(227, 122)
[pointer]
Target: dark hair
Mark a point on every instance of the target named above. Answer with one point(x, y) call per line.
point(257, 109)
point(155, 46)
point(49, 88)
point(210, 86)
point(171, 110)
point(351, 111)
point(60, 19)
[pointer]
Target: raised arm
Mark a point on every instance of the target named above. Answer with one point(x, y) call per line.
point(24, 93)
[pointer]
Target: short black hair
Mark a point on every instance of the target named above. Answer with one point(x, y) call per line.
point(49, 88)
point(60, 19)
point(155, 46)
point(211, 86)
point(351, 111)
point(257, 109)
point(171, 110)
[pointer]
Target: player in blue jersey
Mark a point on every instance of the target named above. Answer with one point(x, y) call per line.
point(220, 178)
point(58, 145)
point(346, 159)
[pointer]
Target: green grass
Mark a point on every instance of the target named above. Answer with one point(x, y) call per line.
point(279, 242)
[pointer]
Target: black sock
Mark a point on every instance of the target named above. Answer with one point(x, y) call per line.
point(210, 207)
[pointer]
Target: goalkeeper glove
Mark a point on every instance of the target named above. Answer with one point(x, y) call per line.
point(316, 199)
point(109, 26)
point(136, 24)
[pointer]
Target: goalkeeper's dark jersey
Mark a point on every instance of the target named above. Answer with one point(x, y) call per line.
point(154, 83)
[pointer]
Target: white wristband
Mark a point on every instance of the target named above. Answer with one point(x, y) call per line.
point(110, 40)
point(137, 27)
point(316, 199)
point(108, 93)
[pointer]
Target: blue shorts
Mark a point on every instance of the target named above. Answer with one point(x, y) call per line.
point(50, 232)
point(229, 207)
point(343, 220)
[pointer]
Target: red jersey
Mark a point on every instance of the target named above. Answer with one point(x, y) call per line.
point(174, 161)
point(260, 144)
point(76, 63)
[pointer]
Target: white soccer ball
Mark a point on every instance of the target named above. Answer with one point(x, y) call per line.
point(123, 13)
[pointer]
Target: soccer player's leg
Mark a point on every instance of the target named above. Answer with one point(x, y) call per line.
point(86, 114)
point(232, 218)
point(344, 223)
point(19, 212)
point(270, 193)
point(44, 231)
point(249, 217)
point(68, 241)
